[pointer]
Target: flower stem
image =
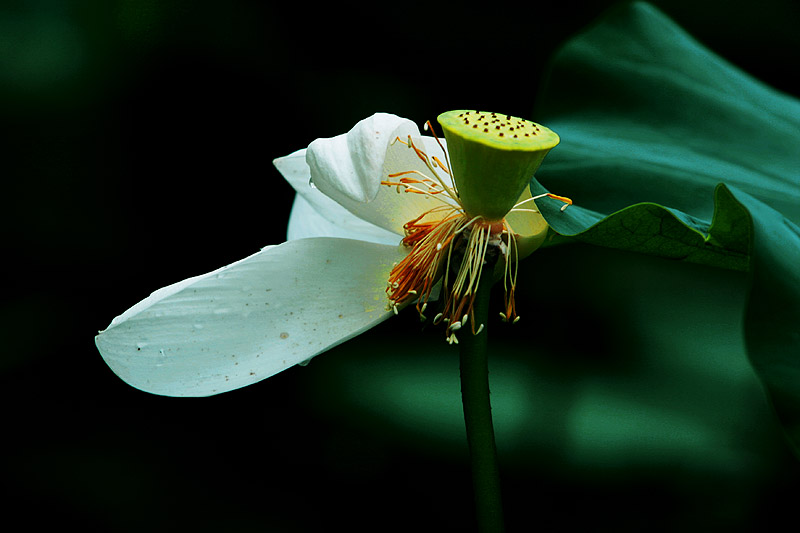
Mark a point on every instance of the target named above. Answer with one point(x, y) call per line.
point(478, 417)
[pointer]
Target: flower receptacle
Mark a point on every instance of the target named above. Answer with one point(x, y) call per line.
point(493, 158)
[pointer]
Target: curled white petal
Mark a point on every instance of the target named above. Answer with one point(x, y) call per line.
point(316, 215)
point(247, 321)
point(349, 167)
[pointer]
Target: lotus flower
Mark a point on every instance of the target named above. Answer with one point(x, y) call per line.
point(378, 221)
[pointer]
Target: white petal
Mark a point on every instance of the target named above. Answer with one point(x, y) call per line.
point(344, 168)
point(247, 321)
point(316, 215)
point(350, 166)
point(305, 221)
point(391, 209)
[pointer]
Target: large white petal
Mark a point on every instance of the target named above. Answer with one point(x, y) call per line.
point(247, 321)
point(316, 215)
point(337, 168)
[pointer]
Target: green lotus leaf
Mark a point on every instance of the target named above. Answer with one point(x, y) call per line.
point(654, 126)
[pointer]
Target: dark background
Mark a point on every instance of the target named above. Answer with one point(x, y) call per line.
point(137, 140)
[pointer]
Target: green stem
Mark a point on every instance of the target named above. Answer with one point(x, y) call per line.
point(478, 416)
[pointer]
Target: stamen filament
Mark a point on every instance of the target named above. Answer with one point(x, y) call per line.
point(452, 191)
point(429, 126)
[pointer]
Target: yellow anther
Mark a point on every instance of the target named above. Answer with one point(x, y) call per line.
point(441, 165)
point(567, 201)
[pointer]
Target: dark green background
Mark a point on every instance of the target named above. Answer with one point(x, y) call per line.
point(137, 139)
